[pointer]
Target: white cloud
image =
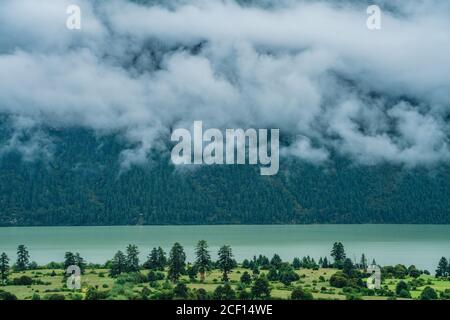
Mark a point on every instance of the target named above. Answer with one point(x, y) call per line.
point(311, 69)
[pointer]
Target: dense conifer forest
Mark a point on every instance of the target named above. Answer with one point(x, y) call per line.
point(81, 182)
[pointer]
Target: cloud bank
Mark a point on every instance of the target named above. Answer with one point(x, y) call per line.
point(310, 68)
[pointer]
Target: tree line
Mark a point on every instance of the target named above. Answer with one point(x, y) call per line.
point(172, 266)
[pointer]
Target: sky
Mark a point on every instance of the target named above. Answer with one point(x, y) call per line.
point(312, 69)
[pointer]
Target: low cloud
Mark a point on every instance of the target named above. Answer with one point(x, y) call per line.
point(310, 68)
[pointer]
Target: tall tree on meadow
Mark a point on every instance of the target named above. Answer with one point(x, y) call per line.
point(4, 267)
point(442, 269)
point(118, 264)
point(23, 258)
point(338, 253)
point(69, 260)
point(202, 259)
point(225, 262)
point(162, 260)
point(132, 258)
point(363, 262)
point(152, 260)
point(79, 261)
point(348, 267)
point(177, 262)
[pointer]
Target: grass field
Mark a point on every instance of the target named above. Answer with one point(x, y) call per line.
point(315, 281)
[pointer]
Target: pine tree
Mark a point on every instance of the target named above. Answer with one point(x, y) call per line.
point(118, 265)
point(4, 267)
point(363, 262)
point(442, 270)
point(203, 259)
point(79, 261)
point(152, 262)
point(338, 253)
point(69, 260)
point(162, 260)
point(177, 262)
point(296, 263)
point(225, 262)
point(132, 260)
point(348, 267)
point(325, 263)
point(23, 258)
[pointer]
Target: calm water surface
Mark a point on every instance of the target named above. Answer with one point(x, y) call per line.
point(421, 245)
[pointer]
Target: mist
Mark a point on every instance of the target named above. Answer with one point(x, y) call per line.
point(309, 68)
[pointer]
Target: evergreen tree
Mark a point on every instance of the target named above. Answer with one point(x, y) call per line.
point(177, 262)
point(162, 260)
point(276, 261)
point(325, 263)
point(203, 259)
point(23, 258)
point(152, 262)
point(225, 262)
point(224, 292)
point(363, 262)
point(79, 261)
point(442, 270)
point(119, 264)
point(69, 260)
point(296, 263)
point(348, 267)
point(4, 268)
point(246, 278)
point(132, 259)
point(338, 253)
point(261, 288)
point(192, 272)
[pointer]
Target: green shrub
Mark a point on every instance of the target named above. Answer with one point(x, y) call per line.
point(428, 294)
point(299, 294)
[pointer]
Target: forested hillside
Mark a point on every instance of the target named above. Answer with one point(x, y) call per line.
point(82, 183)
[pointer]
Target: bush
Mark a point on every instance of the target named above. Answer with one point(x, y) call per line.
point(299, 294)
point(36, 297)
point(93, 294)
point(261, 288)
point(401, 285)
point(22, 281)
point(288, 276)
point(180, 291)
point(5, 295)
point(246, 278)
point(135, 278)
point(202, 294)
point(224, 293)
point(54, 296)
point(273, 274)
point(244, 295)
point(154, 276)
point(339, 280)
point(428, 294)
point(404, 294)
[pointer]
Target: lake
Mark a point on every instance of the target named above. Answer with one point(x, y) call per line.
point(421, 245)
